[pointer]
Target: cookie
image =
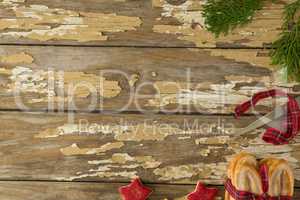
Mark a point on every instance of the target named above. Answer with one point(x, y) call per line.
point(280, 177)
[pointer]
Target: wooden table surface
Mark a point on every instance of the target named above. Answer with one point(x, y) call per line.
point(161, 89)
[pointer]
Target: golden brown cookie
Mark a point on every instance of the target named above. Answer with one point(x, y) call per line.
point(281, 178)
point(243, 173)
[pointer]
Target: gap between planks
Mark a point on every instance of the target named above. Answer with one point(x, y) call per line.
point(133, 46)
point(110, 182)
point(128, 112)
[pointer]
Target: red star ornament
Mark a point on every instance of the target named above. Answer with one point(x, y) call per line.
point(203, 193)
point(135, 191)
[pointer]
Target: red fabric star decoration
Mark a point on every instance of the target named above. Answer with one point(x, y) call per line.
point(203, 193)
point(135, 191)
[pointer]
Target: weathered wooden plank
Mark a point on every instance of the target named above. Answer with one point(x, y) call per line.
point(78, 191)
point(158, 148)
point(19, 190)
point(130, 23)
point(134, 79)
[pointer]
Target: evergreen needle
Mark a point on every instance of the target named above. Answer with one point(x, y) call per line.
point(222, 16)
point(286, 50)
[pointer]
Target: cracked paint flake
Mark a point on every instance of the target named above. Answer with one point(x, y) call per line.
point(107, 88)
point(101, 174)
point(203, 170)
point(139, 132)
point(11, 3)
point(211, 97)
point(187, 13)
point(39, 22)
point(262, 149)
point(224, 146)
point(73, 129)
point(258, 59)
point(18, 58)
point(213, 140)
point(75, 150)
point(191, 29)
point(117, 166)
point(256, 146)
point(26, 80)
point(123, 159)
point(243, 55)
point(133, 79)
point(234, 79)
point(204, 152)
point(66, 129)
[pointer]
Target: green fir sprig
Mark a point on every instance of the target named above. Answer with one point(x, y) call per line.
point(286, 50)
point(222, 16)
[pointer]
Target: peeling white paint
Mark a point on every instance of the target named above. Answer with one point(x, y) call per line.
point(184, 12)
point(191, 28)
point(216, 98)
point(36, 21)
point(47, 83)
point(123, 160)
point(75, 150)
point(203, 170)
point(101, 174)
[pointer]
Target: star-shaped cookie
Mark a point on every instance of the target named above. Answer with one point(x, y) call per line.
point(135, 191)
point(203, 193)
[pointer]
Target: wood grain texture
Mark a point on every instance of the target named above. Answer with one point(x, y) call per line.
point(158, 148)
point(129, 23)
point(20, 190)
point(43, 155)
point(77, 191)
point(135, 79)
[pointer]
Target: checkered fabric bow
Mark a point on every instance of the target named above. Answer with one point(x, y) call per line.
point(243, 195)
point(292, 120)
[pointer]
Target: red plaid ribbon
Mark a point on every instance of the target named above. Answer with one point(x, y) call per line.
point(243, 195)
point(292, 125)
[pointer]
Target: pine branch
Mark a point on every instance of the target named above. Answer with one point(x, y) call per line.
point(286, 50)
point(222, 16)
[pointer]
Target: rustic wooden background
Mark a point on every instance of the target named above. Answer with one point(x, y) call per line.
point(156, 44)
